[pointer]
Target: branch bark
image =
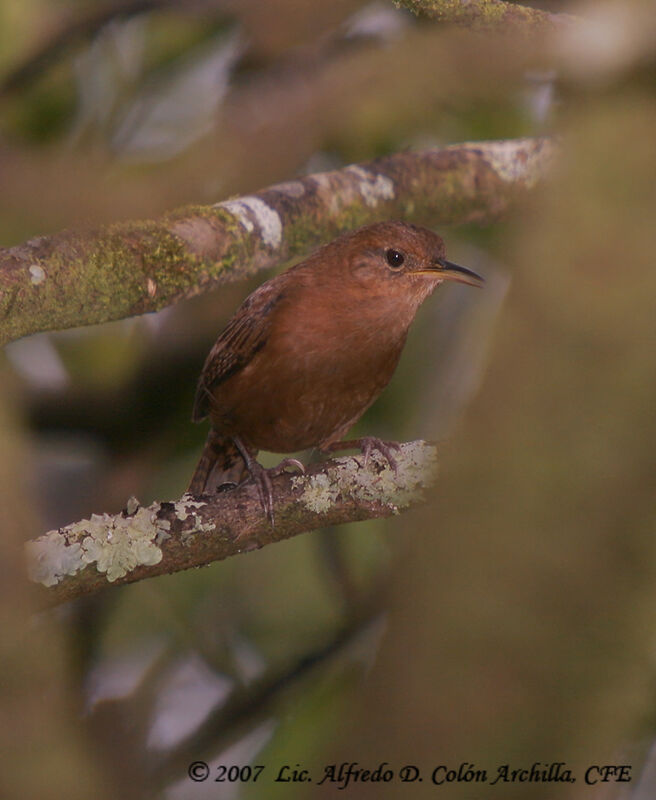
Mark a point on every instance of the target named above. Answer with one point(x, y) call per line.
point(165, 537)
point(80, 278)
point(489, 15)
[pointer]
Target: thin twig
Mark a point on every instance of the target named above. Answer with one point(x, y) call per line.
point(250, 705)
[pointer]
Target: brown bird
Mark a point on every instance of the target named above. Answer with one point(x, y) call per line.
point(311, 349)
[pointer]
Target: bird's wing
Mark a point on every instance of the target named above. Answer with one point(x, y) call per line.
point(240, 340)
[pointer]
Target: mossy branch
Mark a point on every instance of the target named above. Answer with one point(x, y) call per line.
point(165, 537)
point(80, 278)
point(489, 15)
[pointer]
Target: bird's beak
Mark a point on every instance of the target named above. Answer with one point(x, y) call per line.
point(453, 272)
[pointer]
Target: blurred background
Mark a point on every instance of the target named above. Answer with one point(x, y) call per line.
point(511, 620)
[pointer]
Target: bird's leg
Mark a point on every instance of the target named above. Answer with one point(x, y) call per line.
point(262, 476)
point(366, 444)
point(294, 463)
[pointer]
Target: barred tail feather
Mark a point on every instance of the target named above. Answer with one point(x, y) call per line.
point(219, 463)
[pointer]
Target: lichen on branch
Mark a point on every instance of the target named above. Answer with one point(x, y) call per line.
point(85, 277)
point(489, 15)
point(165, 537)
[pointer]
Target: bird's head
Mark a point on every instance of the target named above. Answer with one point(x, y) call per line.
point(403, 259)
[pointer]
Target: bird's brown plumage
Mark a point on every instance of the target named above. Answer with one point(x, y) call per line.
point(309, 350)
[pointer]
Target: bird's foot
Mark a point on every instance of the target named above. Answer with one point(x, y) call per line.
point(262, 477)
point(366, 444)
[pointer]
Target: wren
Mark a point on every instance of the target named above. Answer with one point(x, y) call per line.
point(310, 350)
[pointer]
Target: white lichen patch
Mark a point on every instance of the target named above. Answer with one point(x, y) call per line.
point(372, 187)
point(185, 508)
point(290, 188)
point(119, 544)
point(319, 491)
point(163, 528)
point(182, 506)
point(330, 196)
point(51, 557)
point(116, 545)
point(516, 160)
point(37, 274)
point(132, 505)
point(239, 210)
point(323, 180)
point(36, 241)
point(127, 544)
point(416, 469)
point(251, 211)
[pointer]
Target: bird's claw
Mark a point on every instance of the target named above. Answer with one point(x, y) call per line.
point(366, 444)
point(369, 443)
point(262, 477)
point(291, 463)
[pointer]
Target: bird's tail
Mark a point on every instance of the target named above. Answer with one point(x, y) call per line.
point(219, 463)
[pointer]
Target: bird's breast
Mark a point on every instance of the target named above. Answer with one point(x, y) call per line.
point(320, 369)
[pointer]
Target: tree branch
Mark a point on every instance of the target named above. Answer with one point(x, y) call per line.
point(165, 537)
point(80, 278)
point(249, 705)
point(489, 15)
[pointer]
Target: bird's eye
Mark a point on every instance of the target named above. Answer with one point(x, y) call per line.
point(394, 258)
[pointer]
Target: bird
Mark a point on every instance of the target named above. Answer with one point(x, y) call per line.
point(310, 350)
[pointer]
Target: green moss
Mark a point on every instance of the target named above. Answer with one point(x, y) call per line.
point(478, 14)
point(307, 232)
point(169, 267)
